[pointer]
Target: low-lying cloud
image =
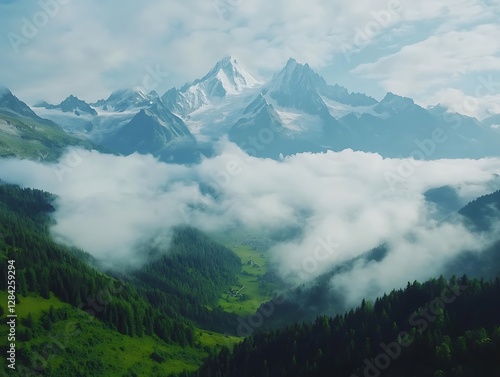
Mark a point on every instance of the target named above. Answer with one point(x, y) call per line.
point(334, 206)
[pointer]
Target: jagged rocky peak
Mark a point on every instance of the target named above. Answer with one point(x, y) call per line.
point(393, 103)
point(295, 76)
point(71, 104)
point(125, 99)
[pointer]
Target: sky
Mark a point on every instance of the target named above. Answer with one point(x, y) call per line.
point(434, 51)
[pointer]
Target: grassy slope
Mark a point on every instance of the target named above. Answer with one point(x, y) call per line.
point(29, 139)
point(121, 355)
point(255, 292)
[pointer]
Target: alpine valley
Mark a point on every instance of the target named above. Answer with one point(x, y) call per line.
point(248, 227)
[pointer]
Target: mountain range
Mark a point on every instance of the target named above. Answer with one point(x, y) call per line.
point(24, 134)
point(294, 111)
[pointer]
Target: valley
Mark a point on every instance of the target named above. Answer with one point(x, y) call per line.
point(249, 189)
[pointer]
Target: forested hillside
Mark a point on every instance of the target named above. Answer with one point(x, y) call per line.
point(483, 211)
point(190, 277)
point(43, 267)
point(439, 328)
point(157, 301)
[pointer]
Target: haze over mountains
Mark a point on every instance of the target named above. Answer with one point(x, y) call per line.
point(362, 179)
point(24, 134)
point(384, 201)
point(294, 111)
point(234, 188)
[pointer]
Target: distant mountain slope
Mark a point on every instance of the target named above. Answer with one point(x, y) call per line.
point(96, 121)
point(155, 131)
point(226, 78)
point(127, 99)
point(492, 121)
point(309, 115)
point(294, 111)
point(483, 212)
point(70, 104)
point(26, 135)
point(305, 301)
point(128, 121)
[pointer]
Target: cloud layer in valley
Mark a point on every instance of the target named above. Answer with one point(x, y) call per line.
point(333, 206)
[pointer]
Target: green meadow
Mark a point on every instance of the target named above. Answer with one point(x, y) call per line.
point(82, 340)
point(256, 290)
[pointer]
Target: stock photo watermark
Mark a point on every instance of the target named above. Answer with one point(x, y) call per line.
point(153, 78)
point(70, 161)
point(418, 320)
point(30, 26)
point(379, 21)
point(225, 8)
point(427, 147)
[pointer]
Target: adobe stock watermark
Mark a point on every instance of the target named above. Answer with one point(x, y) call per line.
point(217, 183)
point(426, 148)
point(407, 166)
point(248, 325)
point(225, 8)
point(30, 26)
point(323, 250)
point(419, 320)
point(365, 35)
point(153, 78)
point(70, 161)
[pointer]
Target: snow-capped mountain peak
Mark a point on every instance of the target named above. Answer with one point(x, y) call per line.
point(4, 91)
point(10, 104)
point(226, 78)
point(256, 105)
point(71, 104)
point(393, 103)
point(297, 86)
point(228, 75)
point(125, 99)
point(295, 76)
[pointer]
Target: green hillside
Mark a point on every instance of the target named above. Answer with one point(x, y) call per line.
point(437, 329)
point(27, 138)
point(60, 340)
point(109, 326)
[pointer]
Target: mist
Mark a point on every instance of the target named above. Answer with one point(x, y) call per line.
point(332, 207)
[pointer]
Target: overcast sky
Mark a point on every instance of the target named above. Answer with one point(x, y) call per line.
point(431, 50)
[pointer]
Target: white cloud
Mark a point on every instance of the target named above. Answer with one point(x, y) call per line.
point(437, 60)
point(475, 106)
point(108, 205)
point(91, 48)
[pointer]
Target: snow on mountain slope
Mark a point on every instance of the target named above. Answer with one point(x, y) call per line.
point(300, 123)
point(71, 104)
point(105, 116)
point(127, 99)
point(213, 120)
point(339, 110)
point(226, 78)
point(86, 126)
